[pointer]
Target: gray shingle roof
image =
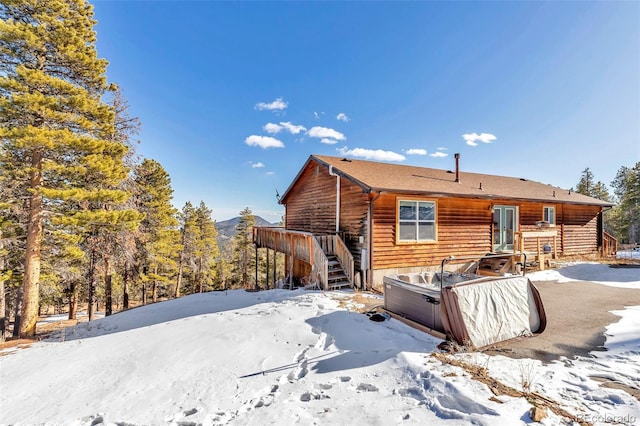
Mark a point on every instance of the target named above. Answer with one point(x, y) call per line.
point(377, 176)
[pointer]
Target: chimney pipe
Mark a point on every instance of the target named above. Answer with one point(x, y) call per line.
point(457, 157)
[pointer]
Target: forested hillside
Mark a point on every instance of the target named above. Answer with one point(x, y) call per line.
point(84, 222)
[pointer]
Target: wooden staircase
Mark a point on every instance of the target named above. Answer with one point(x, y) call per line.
point(337, 278)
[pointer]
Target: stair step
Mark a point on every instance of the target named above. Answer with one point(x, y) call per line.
point(337, 277)
point(339, 284)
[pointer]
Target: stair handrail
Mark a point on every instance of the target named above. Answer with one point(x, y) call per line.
point(610, 244)
point(345, 257)
point(334, 245)
point(320, 266)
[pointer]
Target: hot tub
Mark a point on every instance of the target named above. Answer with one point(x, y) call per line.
point(475, 311)
point(416, 296)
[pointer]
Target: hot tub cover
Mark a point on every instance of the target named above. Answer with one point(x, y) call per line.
point(482, 312)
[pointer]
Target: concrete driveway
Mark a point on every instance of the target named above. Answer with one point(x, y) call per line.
point(577, 314)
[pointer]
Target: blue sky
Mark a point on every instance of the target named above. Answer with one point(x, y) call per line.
point(234, 96)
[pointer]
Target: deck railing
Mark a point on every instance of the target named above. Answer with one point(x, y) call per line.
point(334, 245)
point(609, 244)
point(307, 247)
point(296, 244)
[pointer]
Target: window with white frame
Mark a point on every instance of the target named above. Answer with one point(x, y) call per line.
point(416, 221)
point(549, 215)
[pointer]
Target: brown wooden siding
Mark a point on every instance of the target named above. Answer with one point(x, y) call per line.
point(580, 229)
point(353, 218)
point(312, 208)
point(463, 229)
point(529, 214)
point(311, 205)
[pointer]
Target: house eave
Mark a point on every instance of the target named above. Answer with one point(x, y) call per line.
point(489, 196)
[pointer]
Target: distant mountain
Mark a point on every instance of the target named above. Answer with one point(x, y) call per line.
point(227, 228)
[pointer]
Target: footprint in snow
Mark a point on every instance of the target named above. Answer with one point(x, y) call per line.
point(310, 396)
point(323, 386)
point(413, 392)
point(264, 398)
point(367, 387)
point(222, 417)
point(93, 420)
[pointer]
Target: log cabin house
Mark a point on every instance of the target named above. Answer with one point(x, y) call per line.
point(351, 222)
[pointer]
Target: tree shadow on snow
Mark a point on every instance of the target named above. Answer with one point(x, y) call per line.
point(360, 342)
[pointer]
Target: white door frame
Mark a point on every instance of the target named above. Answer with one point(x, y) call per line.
point(505, 225)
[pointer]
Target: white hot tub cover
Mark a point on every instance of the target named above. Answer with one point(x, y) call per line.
point(482, 312)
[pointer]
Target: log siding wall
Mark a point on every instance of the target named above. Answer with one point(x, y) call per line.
point(312, 202)
point(311, 207)
point(463, 228)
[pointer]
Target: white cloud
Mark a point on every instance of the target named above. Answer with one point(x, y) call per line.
point(372, 154)
point(270, 173)
point(294, 129)
point(472, 138)
point(439, 154)
point(324, 132)
point(272, 128)
point(328, 141)
point(264, 142)
point(277, 105)
point(257, 165)
point(416, 151)
point(316, 115)
point(343, 117)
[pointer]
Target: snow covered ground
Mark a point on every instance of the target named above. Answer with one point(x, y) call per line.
point(299, 357)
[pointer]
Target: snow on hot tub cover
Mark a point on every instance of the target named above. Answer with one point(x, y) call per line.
point(481, 313)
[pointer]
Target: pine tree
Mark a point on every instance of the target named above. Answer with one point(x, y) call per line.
point(207, 250)
point(159, 239)
point(627, 190)
point(113, 241)
point(188, 237)
point(10, 236)
point(54, 125)
point(587, 186)
point(243, 250)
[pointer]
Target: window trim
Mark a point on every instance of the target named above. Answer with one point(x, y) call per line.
point(435, 220)
point(553, 209)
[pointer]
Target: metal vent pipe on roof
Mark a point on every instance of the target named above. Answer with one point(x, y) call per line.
point(457, 157)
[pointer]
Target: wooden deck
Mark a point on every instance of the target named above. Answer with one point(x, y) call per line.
point(311, 249)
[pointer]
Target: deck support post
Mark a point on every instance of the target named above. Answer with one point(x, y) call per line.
point(266, 275)
point(291, 262)
point(257, 286)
